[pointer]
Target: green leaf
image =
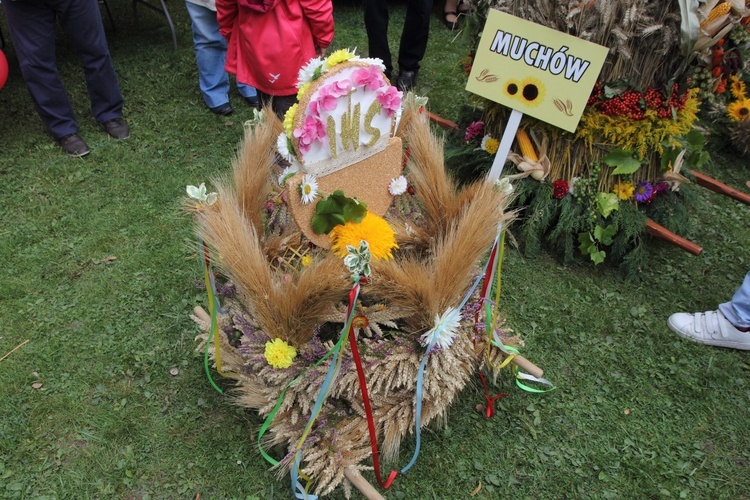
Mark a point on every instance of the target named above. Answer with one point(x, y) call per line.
point(607, 234)
point(598, 257)
point(623, 162)
point(606, 203)
point(587, 243)
point(324, 223)
point(328, 205)
point(354, 212)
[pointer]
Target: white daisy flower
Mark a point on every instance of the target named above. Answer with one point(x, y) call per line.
point(397, 186)
point(486, 138)
point(199, 193)
point(288, 172)
point(307, 72)
point(282, 145)
point(308, 188)
point(444, 332)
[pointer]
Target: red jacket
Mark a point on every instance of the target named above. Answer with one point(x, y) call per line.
point(270, 40)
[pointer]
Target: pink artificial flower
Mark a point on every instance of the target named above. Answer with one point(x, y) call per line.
point(340, 88)
point(390, 99)
point(312, 130)
point(370, 77)
point(326, 99)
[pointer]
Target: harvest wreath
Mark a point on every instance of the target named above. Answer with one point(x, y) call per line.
point(356, 318)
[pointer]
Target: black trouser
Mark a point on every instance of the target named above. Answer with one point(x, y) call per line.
point(413, 38)
point(32, 29)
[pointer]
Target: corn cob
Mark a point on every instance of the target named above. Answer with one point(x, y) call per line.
point(525, 145)
point(718, 11)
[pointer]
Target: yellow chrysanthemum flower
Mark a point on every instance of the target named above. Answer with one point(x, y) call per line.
point(739, 110)
point(289, 119)
point(338, 57)
point(306, 260)
point(373, 229)
point(624, 190)
point(279, 354)
point(737, 88)
point(491, 145)
point(302, 91)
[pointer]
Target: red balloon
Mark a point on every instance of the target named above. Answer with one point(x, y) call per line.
point(3, 69)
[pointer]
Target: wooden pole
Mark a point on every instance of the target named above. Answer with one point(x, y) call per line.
point(528, 366)
point(361, 484)
point(442, 122)
point(202, 314)
point(719, 187)
point(662, 232)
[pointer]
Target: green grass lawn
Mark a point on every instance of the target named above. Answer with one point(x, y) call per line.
point(98, 270)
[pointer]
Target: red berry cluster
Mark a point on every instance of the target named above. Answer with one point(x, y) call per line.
point(634, 104)
point(626, 104)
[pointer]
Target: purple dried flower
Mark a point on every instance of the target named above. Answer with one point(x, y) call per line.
point(661, 187)
point(475, 129)
point(643, 191)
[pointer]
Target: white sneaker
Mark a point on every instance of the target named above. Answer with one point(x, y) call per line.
point(710, 328)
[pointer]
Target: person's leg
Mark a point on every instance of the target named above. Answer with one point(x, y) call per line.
point(249, 93)
point(210, 55)
point(727, 327)
point(376, 24)
point(450, 14)
point(32, 29)
point(738, 310)
point(414, 36)
point(81, 21)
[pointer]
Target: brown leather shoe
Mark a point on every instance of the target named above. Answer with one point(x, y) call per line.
point(74, 145)
point(117, 128)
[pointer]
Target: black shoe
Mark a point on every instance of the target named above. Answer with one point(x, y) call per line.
point(406, 80)
point(74, 145)
point(252, 101)
point(117, 128)
point(225, 109)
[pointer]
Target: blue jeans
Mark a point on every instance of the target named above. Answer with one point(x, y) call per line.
point(738, 310)
point(210, 54)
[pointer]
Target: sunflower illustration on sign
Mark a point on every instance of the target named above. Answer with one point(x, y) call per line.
point(544, 73)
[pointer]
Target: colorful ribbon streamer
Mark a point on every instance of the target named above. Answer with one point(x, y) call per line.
point(213, 306)
point(423, 362)
point(368, 413)
point(333, 370)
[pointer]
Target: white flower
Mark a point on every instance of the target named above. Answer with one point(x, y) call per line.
point(282, 145)
point(504, 186)
point(445, 329)
point(308, 188)
point(373, 61)
point(307, 72)
point(486, 138)
point(397, 186)
point(199, 193)
point(288, 172)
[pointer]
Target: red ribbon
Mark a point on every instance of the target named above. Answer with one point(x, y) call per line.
point(489, 401)
point(486, 283)
point(368, 412)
